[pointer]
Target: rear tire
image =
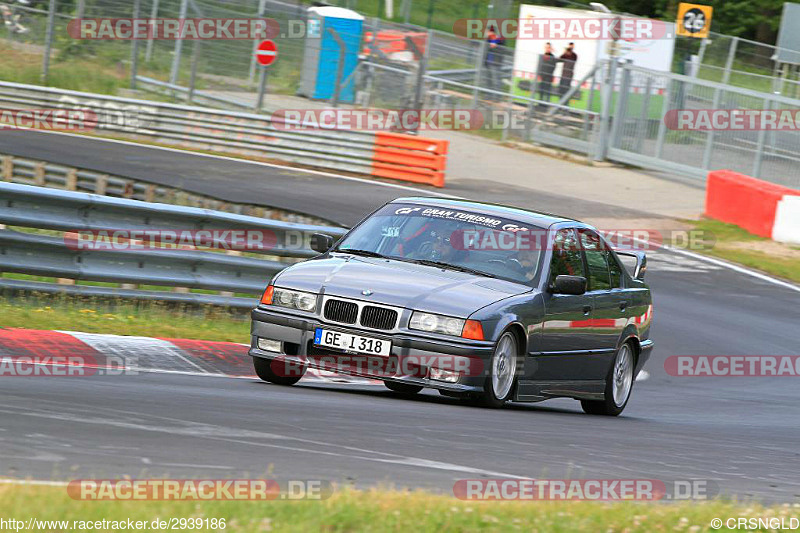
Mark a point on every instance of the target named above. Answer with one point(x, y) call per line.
point(499, 384)
point(619, 384)
point(275, 370)
point(402, 388)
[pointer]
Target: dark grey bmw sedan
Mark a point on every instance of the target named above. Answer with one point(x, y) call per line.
point(479, 301)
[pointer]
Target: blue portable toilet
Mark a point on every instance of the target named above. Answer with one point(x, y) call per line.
point(321, 54)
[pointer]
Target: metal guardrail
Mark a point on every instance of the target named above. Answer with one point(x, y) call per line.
point(43, 255)
point(205, 128)
point(14, 169)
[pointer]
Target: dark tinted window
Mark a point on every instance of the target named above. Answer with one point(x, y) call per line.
point(567, 260)
point(597, 259)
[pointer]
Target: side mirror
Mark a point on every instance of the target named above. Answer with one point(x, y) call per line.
point(641, 267)
point(575, 285)
point(321, 243)
point(641, 263)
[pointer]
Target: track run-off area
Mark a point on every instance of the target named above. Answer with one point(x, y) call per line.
point(206, 416)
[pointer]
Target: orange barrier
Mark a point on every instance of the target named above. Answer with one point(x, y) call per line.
point(390, 42)
point(409, 158)
point(747, 202)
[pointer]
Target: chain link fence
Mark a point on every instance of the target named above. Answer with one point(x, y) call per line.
point(437, 70)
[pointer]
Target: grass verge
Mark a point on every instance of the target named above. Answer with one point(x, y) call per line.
point(150, 319)
point(737, 245)
point(382, 510)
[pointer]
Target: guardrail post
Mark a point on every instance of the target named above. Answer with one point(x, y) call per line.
point(8, 168)
point(101, 185)
point(71, 183)
point(38, 174)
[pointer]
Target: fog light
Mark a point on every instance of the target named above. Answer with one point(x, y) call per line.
point(269, 345)
point(443, 375)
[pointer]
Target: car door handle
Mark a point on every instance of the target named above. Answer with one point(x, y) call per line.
point(623, 305)
point(587, 309)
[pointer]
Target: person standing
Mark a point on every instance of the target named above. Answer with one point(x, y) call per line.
point(547, 64)
point(568, 59)
point(493, 60)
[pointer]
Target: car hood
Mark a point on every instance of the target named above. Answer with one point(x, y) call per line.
point(399, 284)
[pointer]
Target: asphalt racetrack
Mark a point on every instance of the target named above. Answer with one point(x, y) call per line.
point(741, 434)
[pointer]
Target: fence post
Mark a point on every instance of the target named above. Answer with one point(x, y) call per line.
point(153, 15)
point(135, 46)
point(262, 6)
point(605, 110)
point(423, 67)
point(48, 40)
point(176, 59)
point(193, 77)
point(478, 72)
point(621, 109)
point(762, 137)
point(339, 66)
point(726, 76)
point(641, 130)
point(662, 124)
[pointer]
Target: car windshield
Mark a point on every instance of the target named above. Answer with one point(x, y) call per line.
point(449, 238)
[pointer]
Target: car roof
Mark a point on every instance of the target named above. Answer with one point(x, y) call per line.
point(521, 215)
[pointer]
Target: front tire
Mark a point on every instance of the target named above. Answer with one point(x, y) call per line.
point(278, 371)
point(402, 388)
point(619, 384)
point(499, 385)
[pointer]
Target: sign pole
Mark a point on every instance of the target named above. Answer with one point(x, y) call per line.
point(266, 54)
point(262, 89)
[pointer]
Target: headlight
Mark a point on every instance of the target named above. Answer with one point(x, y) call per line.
point(436, 323)
point(304, 301)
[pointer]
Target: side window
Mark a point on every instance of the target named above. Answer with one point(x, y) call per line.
point(597, 259)
point(567, 260)
point(615, 269)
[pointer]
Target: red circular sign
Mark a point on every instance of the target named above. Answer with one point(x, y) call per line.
point(267, 52)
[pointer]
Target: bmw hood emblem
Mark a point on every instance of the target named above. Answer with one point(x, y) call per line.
point(366, 292)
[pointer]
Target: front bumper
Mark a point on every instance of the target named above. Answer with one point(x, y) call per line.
point(411, 355)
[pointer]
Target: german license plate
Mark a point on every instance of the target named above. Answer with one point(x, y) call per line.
point(351, 343)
